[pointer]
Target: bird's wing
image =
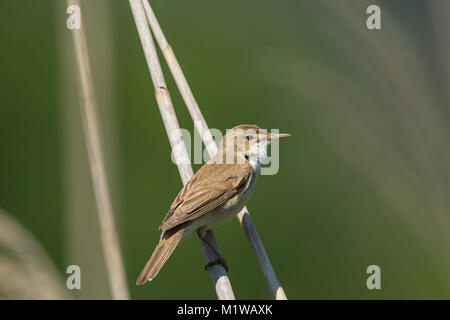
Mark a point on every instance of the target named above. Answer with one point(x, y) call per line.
point(209, 188)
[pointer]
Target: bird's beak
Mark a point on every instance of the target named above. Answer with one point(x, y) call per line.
point(275, 136)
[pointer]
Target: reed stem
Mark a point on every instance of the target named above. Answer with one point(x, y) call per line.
point(218, 273)
point(88, 104)
point(199, 121)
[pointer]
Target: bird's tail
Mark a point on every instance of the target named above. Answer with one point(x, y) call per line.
point(164, 249)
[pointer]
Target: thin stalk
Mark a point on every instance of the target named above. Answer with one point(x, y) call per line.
point(109, 236)
point(217, 272)
point(244, 216)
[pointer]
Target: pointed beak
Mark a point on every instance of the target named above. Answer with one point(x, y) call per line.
point(272, 136)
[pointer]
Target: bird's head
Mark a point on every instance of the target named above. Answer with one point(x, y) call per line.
point(247, 141)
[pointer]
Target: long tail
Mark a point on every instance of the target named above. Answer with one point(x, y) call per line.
point(163, 250)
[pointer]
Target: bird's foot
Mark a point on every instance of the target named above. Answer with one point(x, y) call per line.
point(220, 261)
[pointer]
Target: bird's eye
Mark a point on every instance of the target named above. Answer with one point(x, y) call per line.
point(248, 138)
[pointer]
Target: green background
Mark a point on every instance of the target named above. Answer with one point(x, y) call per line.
point(363, 180)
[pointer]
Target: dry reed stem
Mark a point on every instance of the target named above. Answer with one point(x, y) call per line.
point(217, 272)
point(244, 216)
point(109, 236)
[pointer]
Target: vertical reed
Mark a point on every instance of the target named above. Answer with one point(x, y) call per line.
point(88, 104)
point(218, 273)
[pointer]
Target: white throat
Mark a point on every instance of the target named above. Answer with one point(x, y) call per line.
point(254, 162)
point(257, 156)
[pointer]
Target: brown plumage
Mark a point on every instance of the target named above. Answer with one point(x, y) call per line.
point(210, 187)
point(216, 192)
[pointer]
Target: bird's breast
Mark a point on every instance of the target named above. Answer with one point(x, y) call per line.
point(234, 205)
point(229, 209)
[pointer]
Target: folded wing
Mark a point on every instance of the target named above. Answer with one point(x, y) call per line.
point(209, 188)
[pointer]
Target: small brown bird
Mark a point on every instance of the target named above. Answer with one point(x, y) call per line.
point(217, 191)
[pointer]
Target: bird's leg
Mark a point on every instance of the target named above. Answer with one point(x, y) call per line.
point(220, 260)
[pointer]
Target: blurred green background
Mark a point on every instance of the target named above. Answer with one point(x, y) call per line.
point(364, 179)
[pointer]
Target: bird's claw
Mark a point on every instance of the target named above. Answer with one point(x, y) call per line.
point(220, 261)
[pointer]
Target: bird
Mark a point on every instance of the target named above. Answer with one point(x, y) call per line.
point(218, 191)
